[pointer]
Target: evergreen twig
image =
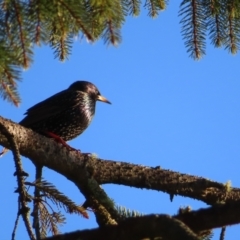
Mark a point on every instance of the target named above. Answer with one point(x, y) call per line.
point(58, 198)
point(193, 27)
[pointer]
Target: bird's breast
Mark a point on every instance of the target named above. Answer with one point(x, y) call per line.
point(86, 112)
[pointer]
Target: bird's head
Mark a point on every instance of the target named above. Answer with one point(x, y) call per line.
point(90, 89)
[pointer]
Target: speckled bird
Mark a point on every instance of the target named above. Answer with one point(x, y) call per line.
point(66, 114)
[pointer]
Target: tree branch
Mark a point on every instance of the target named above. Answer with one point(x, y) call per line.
point(23, 198)
point(82, 168)
point(151, 226)
point(76, 167)
point(43, 151)
point(157, 225)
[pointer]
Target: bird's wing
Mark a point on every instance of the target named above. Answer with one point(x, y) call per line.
point(51, 106)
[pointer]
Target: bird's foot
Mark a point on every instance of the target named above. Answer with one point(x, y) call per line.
point(4, 150)
point(60, 140)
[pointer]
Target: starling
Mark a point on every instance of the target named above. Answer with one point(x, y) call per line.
point(66, 114)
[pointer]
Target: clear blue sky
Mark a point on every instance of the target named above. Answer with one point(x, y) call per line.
point(167, 110)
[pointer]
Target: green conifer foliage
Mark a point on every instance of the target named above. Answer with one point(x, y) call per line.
point(56, 23)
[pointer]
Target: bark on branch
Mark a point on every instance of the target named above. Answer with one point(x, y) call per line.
point(79, 168)
point(46, 152)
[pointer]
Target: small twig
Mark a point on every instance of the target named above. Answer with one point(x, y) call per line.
point(58, 198)
point(37, 197)
point(45, 203)
point(15, 225)
point(222, 234)
point(23, 198)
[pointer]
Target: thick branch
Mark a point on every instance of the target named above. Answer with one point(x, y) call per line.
point(151, 226)
point(203, 219)
point(213, 217)
point(78, 168)
point(43, 151)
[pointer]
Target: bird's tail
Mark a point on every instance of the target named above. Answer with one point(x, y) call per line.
point(5, 150)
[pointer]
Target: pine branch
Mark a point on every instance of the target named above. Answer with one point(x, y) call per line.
point(49, 221)
point(26, 23)
point(193, 27)
point(43, 216)
point(38, 25)
point(152, 8)
point(155, 6)
point(9, 74)
point(21, 24)
point(76, 16)
point(232, 39)
point(7, 90)
point(108, 16)
point(38, 15)
point(94, 12)
point(112, 33)
point(54, 220)
point(216, 21)
point(162, 4)
point(132, 6)
point(60, 39)
point(58, 198)
point(61, 43)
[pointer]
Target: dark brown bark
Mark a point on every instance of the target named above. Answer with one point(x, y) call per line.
point(83, 169)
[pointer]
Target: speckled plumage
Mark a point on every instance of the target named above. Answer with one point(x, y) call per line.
point(66, 114)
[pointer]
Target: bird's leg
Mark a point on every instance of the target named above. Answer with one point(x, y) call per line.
point(60, 140)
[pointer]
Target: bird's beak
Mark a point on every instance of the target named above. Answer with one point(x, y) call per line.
point(102, 99)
